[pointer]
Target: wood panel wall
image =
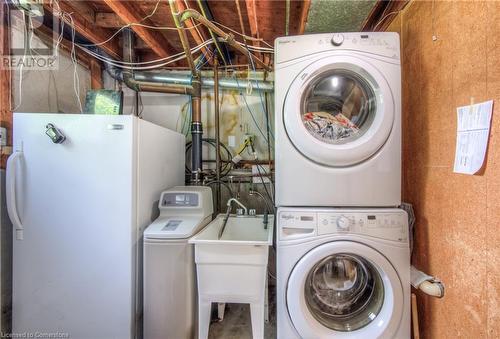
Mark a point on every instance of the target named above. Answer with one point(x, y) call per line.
point(458, 216)
point(5, 80)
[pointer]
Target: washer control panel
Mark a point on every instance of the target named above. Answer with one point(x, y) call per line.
point(391, 224)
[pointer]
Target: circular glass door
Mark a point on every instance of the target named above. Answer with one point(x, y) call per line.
point(344, 292)
point(338, 106)
point(344, 289)
point(339, 111)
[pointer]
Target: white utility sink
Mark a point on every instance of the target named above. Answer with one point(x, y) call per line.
point(240, 230)
point(233, 269)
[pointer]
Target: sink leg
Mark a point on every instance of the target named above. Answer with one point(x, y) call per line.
point(204, 312)
point(266, 303)
point(220, 310)
point(257, 315)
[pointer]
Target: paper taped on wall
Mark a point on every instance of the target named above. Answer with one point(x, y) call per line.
point(473, 129)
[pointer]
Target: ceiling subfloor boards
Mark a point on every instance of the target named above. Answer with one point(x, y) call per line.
point(127, 12)
point(87, 29)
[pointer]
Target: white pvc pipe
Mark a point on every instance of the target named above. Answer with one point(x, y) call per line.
point(435, 289)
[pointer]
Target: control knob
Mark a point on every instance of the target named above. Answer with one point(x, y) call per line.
point(337, 39)
point(343, 223)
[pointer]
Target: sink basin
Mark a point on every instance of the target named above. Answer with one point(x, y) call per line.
point(233, 269)
point(240, 230)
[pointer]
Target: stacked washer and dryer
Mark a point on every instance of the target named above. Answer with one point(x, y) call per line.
point(343, 256)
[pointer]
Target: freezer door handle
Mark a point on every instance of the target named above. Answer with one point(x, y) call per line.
point(12, 163)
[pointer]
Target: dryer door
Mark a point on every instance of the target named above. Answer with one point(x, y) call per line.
point(339, 111)
point(344, 289)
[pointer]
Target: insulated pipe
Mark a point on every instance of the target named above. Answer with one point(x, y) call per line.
point(217, 131)
point(229, 38)
point(182, 34)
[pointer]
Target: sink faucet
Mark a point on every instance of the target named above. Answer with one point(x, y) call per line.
point(228, 212)
point(239, 203)
point(267, 210)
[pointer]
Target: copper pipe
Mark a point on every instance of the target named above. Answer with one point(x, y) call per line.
point(229, 38)
point(217, 131)
point(196, 125)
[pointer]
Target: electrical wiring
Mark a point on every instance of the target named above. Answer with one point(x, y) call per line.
point(74, 60)
point(264, 183)
point(385, 17)
point(25, 32)
point(242, 35)
point(262, 101)
point(113, 63)
point(225, 184)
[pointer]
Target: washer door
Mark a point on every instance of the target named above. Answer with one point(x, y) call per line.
point(339, 111)
point(344, 289)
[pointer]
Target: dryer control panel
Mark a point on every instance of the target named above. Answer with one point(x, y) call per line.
point(384, 44)
point(391, 224)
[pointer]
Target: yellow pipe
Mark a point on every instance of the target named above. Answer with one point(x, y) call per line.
point(182, 34)
point(229, 38)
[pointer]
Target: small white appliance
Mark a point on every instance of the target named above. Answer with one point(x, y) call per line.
point(343, 273)
point(80, 190)
point(338, 120)
point(169, 271)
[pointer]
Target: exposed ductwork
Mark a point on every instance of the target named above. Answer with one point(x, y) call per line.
point(189, 84)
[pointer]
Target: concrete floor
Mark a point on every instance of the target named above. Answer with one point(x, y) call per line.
point(237, 323)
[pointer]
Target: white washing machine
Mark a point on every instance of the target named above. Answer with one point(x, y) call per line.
point(343, 273)
point(338, 120)
point(169, 269)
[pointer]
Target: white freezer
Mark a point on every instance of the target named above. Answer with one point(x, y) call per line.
point(79, 209)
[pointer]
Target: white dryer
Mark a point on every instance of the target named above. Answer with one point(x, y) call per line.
point(343, 273)
point(338, 120)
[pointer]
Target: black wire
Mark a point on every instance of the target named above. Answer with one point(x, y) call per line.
point(228, 165)
point(211, 142)
point(264, 184)
point(222, 183)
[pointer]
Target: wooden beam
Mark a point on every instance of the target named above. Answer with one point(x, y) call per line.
point(199, 39)
point(88, 30)
point(47, 35)
point(130, 14)
point(382, 13)
point(95, 74)
point(252, 18)
point(83, 9)
point(253, 21)
point(5, 79)
point(304, 13)
point(108, 20)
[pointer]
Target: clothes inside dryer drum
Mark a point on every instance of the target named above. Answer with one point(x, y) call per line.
point(338, 106)
point(344, 292)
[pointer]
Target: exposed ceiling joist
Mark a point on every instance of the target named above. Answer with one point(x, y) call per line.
point(47, 35)
point(252, 18)
point(127, 12)
point(253, 21)
point(382, 14)
point(88, 30)
point(108, 20)
point(304, 12)
point(82, 8)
